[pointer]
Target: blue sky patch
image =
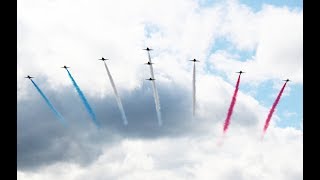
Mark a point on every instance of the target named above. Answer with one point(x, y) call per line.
point(150, 29)
point(222, 43)
point(289, 109)
point(256, 5)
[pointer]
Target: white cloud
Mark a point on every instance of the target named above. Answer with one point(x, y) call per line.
point(277, 35)
point(240, 25)
point(241, 157)
point(288, 114)
point(51, 35)
point(196, 155)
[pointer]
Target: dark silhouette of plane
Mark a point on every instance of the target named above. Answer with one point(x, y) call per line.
point(65, 67)
point(150, 79)
point(148, 49)
point(148, 63)
point(29, 77)
point(286, 80)
point(103, 59)
point(240, 72)
point(194, 60)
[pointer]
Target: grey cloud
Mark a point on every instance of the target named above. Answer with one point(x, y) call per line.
point(235, 173)
point(42, 139)
point(243, 115)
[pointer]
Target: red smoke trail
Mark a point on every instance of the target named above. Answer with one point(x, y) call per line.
point(233, 102)
point(273, 108)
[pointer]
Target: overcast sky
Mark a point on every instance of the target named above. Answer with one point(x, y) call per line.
point(262, 38)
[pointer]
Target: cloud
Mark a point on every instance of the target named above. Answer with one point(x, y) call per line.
point(242, 157)
point(278, 49)
point(240, 25)
point(181, 33)
point(42, 139)
point(288, 114)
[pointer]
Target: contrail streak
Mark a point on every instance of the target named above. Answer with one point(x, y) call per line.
point(233, 102)
point(59, 116)
point(155, 93)
point(273, 108)
point(194, 89)
point(117, 96)
point(84, 100)
point(156, 99)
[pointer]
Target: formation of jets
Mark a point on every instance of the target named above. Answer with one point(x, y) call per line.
point(148, 63)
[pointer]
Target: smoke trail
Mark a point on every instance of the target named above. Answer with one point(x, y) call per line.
point(273, 108)
point(194, 89)
point(221, 140)
point(157, 102)
point(59, 116)
point(233, 102)
point(84, 100)
point(151, 67)
point(117, 96)
point(155, 93)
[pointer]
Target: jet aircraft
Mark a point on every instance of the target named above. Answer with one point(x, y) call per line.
point(150, 79)
point(148, 49)
point(29, 77)
point(65, 67)
point(103, 59)
point(240, 72)
point(194, 60)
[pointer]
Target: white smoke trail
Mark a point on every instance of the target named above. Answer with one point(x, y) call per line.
point(194, 89)
point(155, 93)
point(117, 96)
point(157, 102)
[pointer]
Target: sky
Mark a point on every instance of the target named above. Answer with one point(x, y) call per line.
point(262, 38)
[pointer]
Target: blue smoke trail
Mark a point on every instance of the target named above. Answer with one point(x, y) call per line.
point(84, 100)
point(59, 116)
